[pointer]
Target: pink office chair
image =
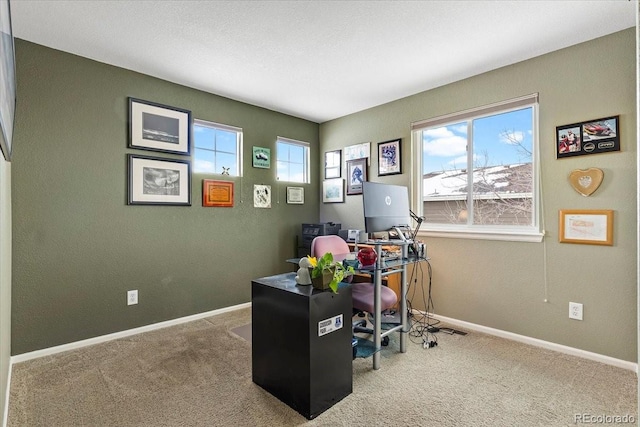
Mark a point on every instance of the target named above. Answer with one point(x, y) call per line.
point(362, 292)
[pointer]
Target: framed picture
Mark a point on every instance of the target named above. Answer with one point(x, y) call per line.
point(158, 181)
point(593, 227)
point(295, 195)
point(591, 137)
point(357, 151)
point(333, 164)
point(7, 80)
point(261, 196)
point(356, 175)
point(333, 190)
point(217, 193)
point(389, 157)
point(261, 157)
point(159, 127)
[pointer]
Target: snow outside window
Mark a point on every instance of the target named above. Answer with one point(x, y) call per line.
point(479, 172)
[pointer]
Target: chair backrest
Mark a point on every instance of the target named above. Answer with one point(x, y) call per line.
point(332, 243)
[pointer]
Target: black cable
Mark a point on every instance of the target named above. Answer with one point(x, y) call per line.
point(422, 325)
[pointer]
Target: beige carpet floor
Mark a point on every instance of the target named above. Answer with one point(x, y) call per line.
point(199, 374)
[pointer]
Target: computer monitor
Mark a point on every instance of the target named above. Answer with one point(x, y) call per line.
point(385, 207)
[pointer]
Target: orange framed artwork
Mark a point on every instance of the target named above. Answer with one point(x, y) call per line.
point(217, 193)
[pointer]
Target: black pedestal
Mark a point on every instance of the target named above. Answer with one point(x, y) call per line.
point(294, 356)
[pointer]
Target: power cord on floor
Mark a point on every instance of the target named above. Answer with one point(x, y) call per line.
point(423, 326)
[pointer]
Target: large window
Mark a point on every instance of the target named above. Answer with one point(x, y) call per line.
point(217, 148)
point(479, 171)
point(293, 160)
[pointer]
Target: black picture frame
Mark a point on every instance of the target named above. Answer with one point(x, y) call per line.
point(590, 137)
point(333, 164)
point(159, 127)
point(390, 157)
point(7, 81)
point(356, 175)
point(158, 181)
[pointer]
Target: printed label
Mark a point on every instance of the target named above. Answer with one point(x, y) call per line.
point(329, 325)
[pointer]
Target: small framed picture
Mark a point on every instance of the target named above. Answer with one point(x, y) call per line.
point(158, 181)
point(592, 227)
point(217, 193)
point(159, 127)
point(261, 196)
point(591, 137)
point(357, 151)
point(295, 195)
point(261, 157)
point(356, 175)
point(389, 157)
point(333, 164)
point(333, 190)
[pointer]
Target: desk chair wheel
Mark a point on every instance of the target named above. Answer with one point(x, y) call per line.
point(385, 341)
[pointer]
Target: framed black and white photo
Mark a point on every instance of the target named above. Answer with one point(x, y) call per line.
point(158, 181)
point(333, 190)
point(7, 80)
point(356, 175)
point(333, 164)
point(389, 157)
point(295, 195)
point(159, 127)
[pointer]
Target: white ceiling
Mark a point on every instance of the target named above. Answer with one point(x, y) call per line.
point(317, 60)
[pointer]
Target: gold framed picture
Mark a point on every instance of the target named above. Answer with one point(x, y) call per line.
point(591, 227)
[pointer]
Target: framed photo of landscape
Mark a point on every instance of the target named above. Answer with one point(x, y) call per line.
point(333, 190)
point(159, 127)
point(158, 181)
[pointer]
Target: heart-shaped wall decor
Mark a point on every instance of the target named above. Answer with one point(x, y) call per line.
point(586, 181)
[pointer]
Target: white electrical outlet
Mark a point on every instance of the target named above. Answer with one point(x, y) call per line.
point(132, 297)
point(575, 310)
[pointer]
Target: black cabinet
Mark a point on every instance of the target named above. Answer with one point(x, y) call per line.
point(301, 343)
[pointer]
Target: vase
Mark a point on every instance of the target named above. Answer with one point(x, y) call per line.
point(367, 257)
point(322, 281)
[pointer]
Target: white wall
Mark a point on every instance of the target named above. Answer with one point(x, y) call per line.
point(5, 281)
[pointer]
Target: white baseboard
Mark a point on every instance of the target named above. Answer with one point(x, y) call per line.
point(122, 334)
point(5, 415)
point(538, 343)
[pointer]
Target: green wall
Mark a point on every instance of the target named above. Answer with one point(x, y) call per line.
point(77, 246)
point(503, 285)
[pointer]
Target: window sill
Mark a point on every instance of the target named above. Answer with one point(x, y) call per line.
point(504, 235)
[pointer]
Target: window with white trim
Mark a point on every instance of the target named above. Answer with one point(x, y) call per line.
point(293, 160)
point(479, 171)
point(217, 148)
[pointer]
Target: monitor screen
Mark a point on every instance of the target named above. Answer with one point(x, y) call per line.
point(385, 206)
